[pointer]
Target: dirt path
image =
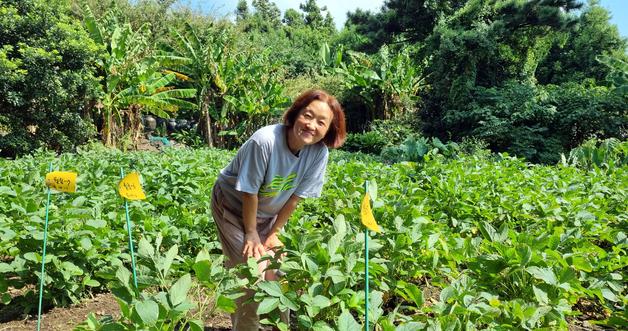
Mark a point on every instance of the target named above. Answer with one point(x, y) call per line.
point(63, 319)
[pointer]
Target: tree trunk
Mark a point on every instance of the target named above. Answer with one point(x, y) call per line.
point(205, 122)
point(107, 128)
point(208, 129)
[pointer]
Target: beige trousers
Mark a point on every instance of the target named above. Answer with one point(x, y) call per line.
point(231, 235)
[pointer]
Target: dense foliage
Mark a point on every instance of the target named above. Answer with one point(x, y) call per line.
point(48, 77)
point(515, 74)
point(468, 242)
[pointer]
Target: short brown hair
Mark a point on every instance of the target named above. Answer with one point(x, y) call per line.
point(337, 132)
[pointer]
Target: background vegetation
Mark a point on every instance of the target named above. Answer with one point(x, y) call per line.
point(532, 78)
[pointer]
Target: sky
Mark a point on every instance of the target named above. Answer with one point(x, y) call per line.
point(339, 9)
point(619, 14)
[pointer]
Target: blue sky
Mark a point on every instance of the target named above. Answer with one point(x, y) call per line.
point(619, 13)
point(339, 8)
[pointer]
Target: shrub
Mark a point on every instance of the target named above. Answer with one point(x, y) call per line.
point(49, 82)
point(594, 153)
point(371, 142)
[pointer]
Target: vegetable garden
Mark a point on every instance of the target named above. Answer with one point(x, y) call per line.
point(482, 241)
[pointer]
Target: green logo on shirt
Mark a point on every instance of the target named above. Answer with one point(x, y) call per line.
point(277, 185)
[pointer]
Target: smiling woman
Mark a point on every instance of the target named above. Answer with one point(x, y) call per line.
point(257, 192)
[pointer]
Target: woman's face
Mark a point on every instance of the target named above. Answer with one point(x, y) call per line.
point(311, 125)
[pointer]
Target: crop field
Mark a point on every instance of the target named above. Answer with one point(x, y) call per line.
point(469, 242)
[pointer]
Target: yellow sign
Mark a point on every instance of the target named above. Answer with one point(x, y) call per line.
point(130, 187)
point(62, 181)
point(367, 214)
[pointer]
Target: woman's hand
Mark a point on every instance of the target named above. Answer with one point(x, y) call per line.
point(253, 246)
point(272, 242)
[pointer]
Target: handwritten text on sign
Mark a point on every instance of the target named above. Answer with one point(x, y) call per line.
point(367, 214)
point(130, 187)
point(63, 181)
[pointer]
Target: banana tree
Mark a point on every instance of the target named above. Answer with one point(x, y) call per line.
point(236, 91)
point(132, 82)
point(198, 62)
point(387, 83)
point(255, 97)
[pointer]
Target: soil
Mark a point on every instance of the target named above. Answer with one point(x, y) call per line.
point(102, 305)
point(105, 305)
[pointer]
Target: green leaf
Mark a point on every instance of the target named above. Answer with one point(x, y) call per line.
point(144, 248)
point(271, 288)
point(196, 325)
point(609, 295)
point(541, 296)
point(5, 190)
point(321, 301)
point(33, 257)
point(375, 302)
point(251, 264)
point(123, 275)
point(113, 327)
point(148, 311)
point(267, 305)
point(582, 263)
point(202, 270)
point(334, 242)
point(92, 283)
point(96, 224)
point(304, 321)
point(179, 290)
point(226, 304)
point(203, 255)
point(5, 267)
point(288, 303)
point(71, 268)
point(79, 201)
point(340, 225)
point(321, 326)
point(86, 244)
point(169, 258)
point(372, 189)
point(415, 294)
point(545, 274)
point(346, 322)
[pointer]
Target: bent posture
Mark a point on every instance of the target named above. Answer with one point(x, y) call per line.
point(259, 189)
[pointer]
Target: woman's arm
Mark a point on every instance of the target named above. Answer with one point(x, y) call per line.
point(252, 244)
point(282, 218)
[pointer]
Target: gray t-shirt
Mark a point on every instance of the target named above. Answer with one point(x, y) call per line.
point(265, 166)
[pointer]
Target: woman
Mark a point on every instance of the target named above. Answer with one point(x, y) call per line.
point(257, 192)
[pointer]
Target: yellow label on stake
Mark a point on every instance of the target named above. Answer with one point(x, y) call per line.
point(62, 181)
point(130, 187)
point(367, 214)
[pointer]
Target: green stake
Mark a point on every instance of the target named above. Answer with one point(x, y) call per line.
point(366, 269)
point(43, 258)
point(128, 226)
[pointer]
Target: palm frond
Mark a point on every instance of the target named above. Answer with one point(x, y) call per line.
point(176, 93)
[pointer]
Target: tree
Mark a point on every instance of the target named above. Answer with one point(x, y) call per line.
point(313, 17)
point(573, 55)
point(48, 79)
point(267, 15)
point(492, 50)
point(155, 14)
point(383, 85)
point(132, 82)
point(293, 18)
point(242, 11)
point(199, 61)
point(412, 21)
